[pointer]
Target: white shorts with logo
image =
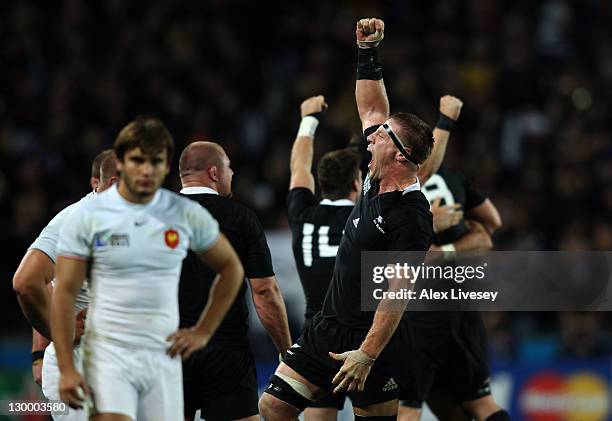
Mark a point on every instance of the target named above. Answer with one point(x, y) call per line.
point(144, 384)
point(50, 382)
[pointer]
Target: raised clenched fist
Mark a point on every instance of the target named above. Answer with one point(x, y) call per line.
point(450, 106)
point(369, 32)
point(313, 105)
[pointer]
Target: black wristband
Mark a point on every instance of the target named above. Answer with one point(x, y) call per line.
point(445, 122)
point(38, 355)
point(368, 66)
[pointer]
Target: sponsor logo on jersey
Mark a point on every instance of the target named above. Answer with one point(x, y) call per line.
point(106, 239)
point(379, 221)
point(172, 238)
point(356, 222)
point(391, 385)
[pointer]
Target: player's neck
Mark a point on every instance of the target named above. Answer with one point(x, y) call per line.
point(394, 182)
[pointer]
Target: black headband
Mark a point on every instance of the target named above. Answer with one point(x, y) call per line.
point(398, 144)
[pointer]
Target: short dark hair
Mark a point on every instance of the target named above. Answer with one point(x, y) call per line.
point(147, 133)
point(99, 160)
point(415, 134)
point(336, 172)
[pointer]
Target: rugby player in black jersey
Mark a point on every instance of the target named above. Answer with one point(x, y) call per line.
point(220, 379)
point(317, 226)
point(459, 388)
point(392, 214)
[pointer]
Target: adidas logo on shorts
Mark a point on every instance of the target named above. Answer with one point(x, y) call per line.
point(391, 385)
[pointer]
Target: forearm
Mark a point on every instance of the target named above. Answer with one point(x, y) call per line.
point(383, 327)
point(35, 303)
point(39, 342)
point(432, 164)
point(301, 155)
point(221, 296)
point(272, 313)
point(62, 325)
point(471, 241)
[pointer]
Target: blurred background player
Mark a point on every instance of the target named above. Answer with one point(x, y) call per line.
point(317, 226)
point(132, 240)
point(37, 270)
point(35, 275)
point(221, 379)
point(463, 383)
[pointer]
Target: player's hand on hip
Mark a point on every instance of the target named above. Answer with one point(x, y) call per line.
point(354, 371)
point(450, 106)
point(186, 341)
point(445, 217)
point(313, 105)
point(369, 32)
point(72, 388)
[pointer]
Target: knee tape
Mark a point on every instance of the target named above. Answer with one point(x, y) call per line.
point(286, 391)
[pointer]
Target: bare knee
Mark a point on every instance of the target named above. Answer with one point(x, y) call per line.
point(273, 409)
point(407, 413)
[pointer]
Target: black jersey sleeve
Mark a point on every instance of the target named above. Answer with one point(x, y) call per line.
point(473, 197)
point(298, 200)
point(257, 261)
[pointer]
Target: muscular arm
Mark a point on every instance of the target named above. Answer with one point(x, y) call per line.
point(476, 239)
point(70, 274)
point(372, 102)
point(386, 319)
point(432, 164)
point(221, 258)
point(486, 213)
point(450, 107)
point(271, 311)
point(303, 149)
point(35, 271)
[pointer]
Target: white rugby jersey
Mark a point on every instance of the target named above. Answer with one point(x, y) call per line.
point(136, 252)
point(47, 243)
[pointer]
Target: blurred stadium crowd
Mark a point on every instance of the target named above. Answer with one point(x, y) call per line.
point(536, 80)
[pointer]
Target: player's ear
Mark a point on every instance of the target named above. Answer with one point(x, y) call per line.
point(94, 182)
point(213, 173)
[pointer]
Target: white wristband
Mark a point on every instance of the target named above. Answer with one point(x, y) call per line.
point(448, 247)
point(448, 250)
point(308, 126)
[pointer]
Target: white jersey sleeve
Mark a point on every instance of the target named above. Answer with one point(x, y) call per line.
point(205, 228)
point(49, 236)
point(75, 235)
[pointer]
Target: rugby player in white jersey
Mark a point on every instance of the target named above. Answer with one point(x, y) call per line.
point(131, 241)
point(33, 282)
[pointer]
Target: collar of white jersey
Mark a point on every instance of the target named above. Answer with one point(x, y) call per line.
point(412, 187)
point(339, 202)
point(198, 190)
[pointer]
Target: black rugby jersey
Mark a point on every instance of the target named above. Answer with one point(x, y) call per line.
point(244, 231)
point(316, 230)
point(452, 187)
point(393, 221)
